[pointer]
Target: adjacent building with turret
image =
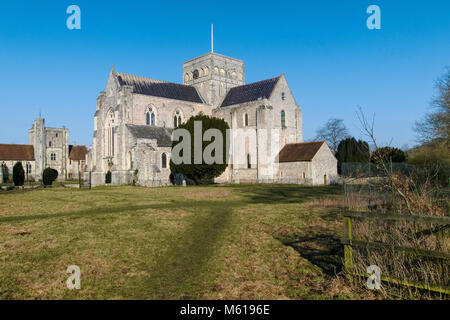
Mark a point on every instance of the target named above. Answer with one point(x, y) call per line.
point(47, 147)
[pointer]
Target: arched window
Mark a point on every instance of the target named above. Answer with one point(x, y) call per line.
point(249, 164)
point(283, 96)
point(150, 118)
point(28, 166)
point(164, 161)
point(177, 119)
point(246, 119)
point(110, 134)
point(283, 119)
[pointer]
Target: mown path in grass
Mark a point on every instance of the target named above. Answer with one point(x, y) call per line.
point(185, 270)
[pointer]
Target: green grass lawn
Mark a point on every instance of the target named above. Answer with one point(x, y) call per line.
point(212, 242)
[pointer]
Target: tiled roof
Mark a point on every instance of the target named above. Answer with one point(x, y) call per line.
point(16, 152)
point(250, 92)
point(304, 151)
point(157, 88)
point(163, 136)
point(77, 153)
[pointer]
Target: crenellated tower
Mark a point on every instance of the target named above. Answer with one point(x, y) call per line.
point(213, 75)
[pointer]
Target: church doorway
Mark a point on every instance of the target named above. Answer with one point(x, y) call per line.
point(324, 179)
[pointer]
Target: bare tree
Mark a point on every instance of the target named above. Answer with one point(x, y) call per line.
point(333, 132)
point(435, 126)
point(417, 199)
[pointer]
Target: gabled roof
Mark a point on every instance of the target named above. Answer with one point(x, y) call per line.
point(163, 136)
point(17, 152)
point(77, 153)
point(303, 151)
point(157, 88)
point(250, 92)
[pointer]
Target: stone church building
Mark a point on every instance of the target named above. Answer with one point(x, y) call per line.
point(135, 117)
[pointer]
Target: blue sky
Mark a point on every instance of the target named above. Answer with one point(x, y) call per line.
point(331, 60)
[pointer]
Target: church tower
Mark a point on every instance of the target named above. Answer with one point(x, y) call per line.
point(213, 75)
point(39, 143)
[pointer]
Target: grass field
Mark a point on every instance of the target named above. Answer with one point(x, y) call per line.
point(212, 242)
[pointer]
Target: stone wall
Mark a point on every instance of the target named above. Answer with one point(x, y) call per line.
point(296, 172)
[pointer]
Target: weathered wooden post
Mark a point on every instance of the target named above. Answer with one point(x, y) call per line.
point(348, 251)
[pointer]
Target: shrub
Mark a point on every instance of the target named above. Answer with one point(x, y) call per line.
point(18, 174)
point(433, 163)
point(388, 154)
point(48, 176)
point(108, 177)
point(202, 173)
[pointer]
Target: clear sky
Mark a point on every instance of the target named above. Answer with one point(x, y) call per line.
point(331, 60)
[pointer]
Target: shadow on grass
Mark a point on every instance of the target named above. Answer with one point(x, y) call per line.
point(119, 209)
point(280, 194)
point(322, 250)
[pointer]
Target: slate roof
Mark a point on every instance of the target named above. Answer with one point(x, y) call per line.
point(16, 152)
point(250, 92)
point(157, 88)
point(303, 151)
point(77, 153)
point(163, 136)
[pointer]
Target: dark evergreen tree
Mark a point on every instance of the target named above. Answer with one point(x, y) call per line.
point(202, 172)
point(18, 174)
point(352, 150)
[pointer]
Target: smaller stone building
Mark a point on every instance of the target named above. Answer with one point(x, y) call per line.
point(307, 163)
point(48, 147)
point(10, 154)
point(77, 162)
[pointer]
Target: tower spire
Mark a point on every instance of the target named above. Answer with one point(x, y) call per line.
point(212, 38)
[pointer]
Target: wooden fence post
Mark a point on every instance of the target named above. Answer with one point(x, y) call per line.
point(348, 251)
